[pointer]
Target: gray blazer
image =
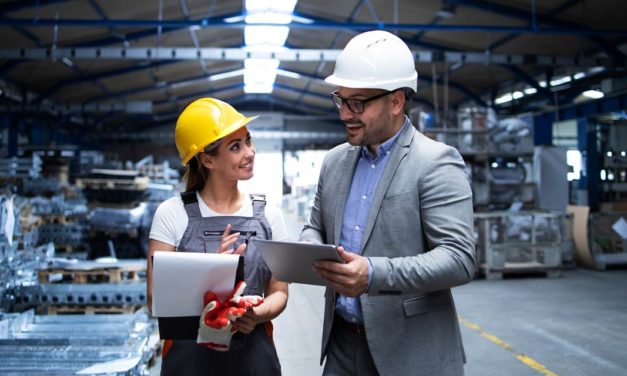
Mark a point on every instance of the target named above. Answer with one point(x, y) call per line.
point(419, 238)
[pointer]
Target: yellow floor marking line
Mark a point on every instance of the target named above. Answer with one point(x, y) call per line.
point(529, 362)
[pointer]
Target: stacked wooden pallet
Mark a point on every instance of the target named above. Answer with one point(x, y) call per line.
point(93, 287)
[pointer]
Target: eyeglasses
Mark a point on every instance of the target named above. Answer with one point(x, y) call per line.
point(356, 105)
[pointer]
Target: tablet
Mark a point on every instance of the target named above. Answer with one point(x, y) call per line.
point(293, 262)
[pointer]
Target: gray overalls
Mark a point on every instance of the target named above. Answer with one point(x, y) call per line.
point(249, 354)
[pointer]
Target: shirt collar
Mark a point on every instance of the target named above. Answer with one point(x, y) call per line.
point(385, 147)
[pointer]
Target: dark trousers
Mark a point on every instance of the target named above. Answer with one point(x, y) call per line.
point(348, 353)
point(249, 354)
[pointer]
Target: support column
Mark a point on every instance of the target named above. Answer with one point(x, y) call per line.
point(590, 176)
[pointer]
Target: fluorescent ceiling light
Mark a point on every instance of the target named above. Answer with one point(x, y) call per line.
point(265, 48)
point(258, 89)
point(593, 94)
point(261, 65)
point(259, 75)
point(272, 35)
point(530, 90)
point(579, 75)
point(265, 11)
point(560, 81)
point(269, 18)
point(234, 19)
point(65, 60)
point(517, 94)
point(225, 75)
point(596, 70)
point(446, 11)
point(283, 6)
point(503, 99)
point(285, 73)
point(302, 19)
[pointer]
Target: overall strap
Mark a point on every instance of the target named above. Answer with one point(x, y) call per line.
point(259, 204)
point(190, 201)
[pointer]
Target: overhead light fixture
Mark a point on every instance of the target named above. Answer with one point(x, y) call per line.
point(593, 94)
point(69, 63)
point(225, 75)
point(265, 35)
point(285, 73)
point(504, 99)
point(234, 19)
point(560, 81)
point(285, 7)
point(303, 20)
point(259, 74)
point(446, 11)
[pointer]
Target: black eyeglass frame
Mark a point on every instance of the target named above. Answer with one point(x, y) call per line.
point(361, 103)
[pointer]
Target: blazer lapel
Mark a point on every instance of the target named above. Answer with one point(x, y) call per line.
point(399, 150)
point(346, 168)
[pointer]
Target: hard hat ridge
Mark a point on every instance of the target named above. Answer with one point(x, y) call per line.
point(203, 122)
point(375, 60)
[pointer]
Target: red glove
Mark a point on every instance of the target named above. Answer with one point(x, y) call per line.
point(216, 327)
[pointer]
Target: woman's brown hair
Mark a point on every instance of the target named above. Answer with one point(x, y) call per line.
point(195, 173)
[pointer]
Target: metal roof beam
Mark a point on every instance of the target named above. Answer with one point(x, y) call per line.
point(564, 90)
point(530, 81)
point(315, 95)
point(304, 55)
point(334, 43)
point(535, 19)
point(157, 85)
point(471, 95)
point(198, 94)
point(98, 76)
point(347, 27)
point(221, 22)
point(242, 100)
point(505, 10)
point(167, 136)
point(553, 12)
point(136, 107)
point(12, 6)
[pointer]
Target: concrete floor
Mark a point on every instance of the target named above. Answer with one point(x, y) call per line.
point(572, 325)
point(519, 326)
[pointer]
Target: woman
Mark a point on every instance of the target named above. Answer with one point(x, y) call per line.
point(213, 215)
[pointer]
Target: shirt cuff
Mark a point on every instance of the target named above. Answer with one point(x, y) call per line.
point(369, 273)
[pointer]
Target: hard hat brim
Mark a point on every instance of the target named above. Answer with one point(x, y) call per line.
point(409, 82)
point(227, 131)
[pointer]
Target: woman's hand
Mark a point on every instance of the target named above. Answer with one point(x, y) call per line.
point(247, 323)
point(228, 240)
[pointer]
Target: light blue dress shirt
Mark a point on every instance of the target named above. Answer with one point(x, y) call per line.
point(365, 180)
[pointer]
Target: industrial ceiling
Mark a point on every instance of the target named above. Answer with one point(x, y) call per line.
point(119, 65)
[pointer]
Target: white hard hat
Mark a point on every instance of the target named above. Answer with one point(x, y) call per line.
point(375, 60)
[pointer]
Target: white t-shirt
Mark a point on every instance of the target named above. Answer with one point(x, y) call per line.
point(170, 219)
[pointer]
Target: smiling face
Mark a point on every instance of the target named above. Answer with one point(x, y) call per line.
point(234, 159)
point(379, 121)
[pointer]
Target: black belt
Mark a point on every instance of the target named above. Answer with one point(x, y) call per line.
point(358, 329)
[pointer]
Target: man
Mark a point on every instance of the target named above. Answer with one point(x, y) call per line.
point(399, 206)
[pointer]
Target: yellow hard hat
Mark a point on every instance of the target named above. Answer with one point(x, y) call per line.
point(204, 121)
